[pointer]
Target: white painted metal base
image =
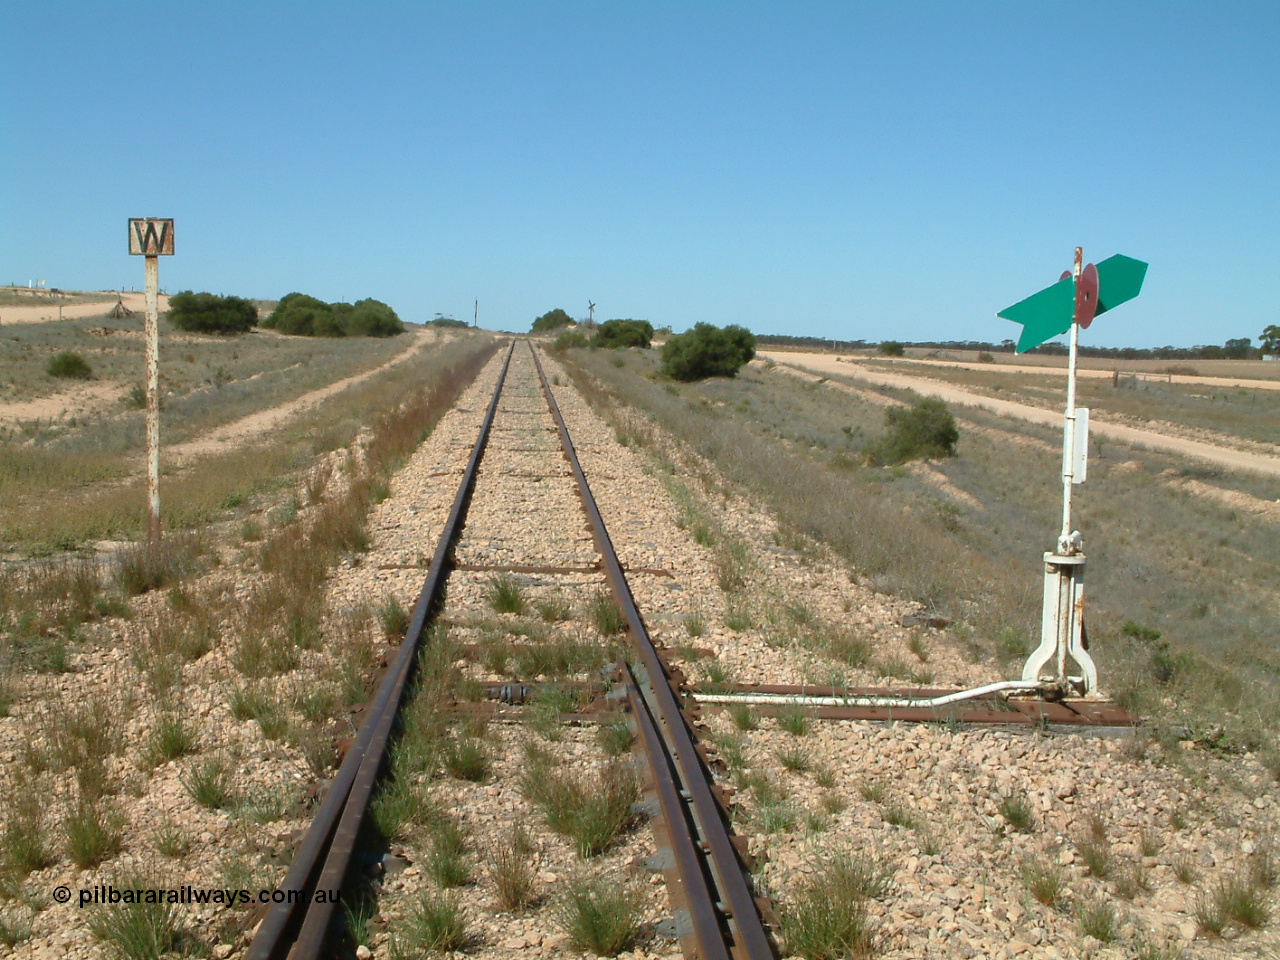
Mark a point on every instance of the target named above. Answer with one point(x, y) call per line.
point(1062, 627)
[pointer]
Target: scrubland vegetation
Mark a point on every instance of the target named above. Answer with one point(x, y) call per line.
point(707, 351)
point(1244, 412)
point(551, 320)
point(300, 315)
point(210, 313)
point(1198, 573)
point(75, 477)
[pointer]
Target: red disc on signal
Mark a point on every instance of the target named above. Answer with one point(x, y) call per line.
point(1086, 296)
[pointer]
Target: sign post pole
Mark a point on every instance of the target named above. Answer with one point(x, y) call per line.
point(153, 399)
point(1069, 429)
point(151, 238)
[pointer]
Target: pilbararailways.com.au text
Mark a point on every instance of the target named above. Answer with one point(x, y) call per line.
point(196, 896)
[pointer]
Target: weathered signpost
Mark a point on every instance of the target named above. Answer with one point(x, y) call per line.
point(1070, 304)
point(152, 238)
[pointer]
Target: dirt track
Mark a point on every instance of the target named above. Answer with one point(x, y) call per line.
point(829, 365)
point(238, 432)
point(43, 312)
point(1081, 371)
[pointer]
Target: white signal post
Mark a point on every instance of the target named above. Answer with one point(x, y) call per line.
point(152, 237)
point(1062, 620)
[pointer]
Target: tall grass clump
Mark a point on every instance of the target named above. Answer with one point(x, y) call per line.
point(505, 595)
point(590, 807)
point(434, 924)
point(139, 931)
point(600, 915)
point(512, 870)
point(826, 916)
point(605, 614)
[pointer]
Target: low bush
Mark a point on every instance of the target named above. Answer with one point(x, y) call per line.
point(210, 313)
point(571, 338)
point(707, 351)
point(304, 316)
point(623, 333)
point(926, 429)
point(69, 366)
point(551, 320)
point(891, 348)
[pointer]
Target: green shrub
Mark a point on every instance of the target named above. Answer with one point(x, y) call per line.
point(368, 318)
point(925, 429)
point(551, 320)
point(570, 338)
point(623, 333)
point(891, 348)
point(210, 313)
point(69, 366)
point(304, 316)
point(707, 351)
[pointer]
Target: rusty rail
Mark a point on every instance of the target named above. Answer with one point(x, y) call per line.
point(297, 928)
point(722, 908)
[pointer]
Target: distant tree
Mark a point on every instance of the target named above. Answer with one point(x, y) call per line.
point(551, 320)
point(210, 313)
point(623, 333)
point(1271, 339)
point(891, 348)
point(1240, 348)
point(925, 429)
point(69, 365)
point(707, 351)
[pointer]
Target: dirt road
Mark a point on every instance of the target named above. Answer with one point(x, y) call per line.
point(44, 312)
point(828, 365)
point(1061, 371)
point(238, 432)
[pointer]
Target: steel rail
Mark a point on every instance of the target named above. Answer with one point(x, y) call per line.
point(297, 928)
point(691, 808)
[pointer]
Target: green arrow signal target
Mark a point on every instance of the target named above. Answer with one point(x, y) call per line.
point(1050, 312)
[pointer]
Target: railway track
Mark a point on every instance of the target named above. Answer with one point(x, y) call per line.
point(714, 911)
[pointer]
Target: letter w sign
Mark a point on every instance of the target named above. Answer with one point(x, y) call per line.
point(151, 237)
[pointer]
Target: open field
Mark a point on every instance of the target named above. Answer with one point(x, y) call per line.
point(74, 476)
point(21, 306)
point(1217, 372)
point(181, 722)
point(1184, 431)
point(964, 536)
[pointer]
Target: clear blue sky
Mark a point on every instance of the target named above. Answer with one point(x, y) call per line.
point(869, 170)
